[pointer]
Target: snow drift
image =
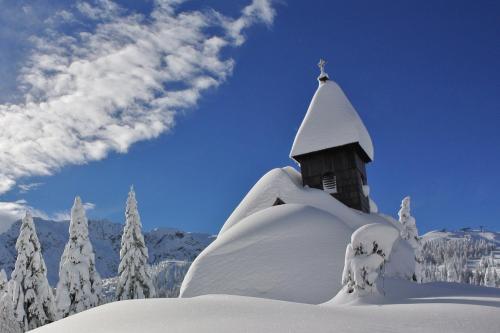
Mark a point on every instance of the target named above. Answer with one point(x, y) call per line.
point(408, 307)
point(290, 252)
point(286, 184)
point(293, 251)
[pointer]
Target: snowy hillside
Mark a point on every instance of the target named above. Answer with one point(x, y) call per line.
point(461, 256)
point(288, 255)
point(436, 307)
point(163, 244)
point(293, 251)
point(491, 237)
point(167, 277)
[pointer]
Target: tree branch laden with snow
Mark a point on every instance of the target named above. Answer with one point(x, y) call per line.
point(409, 232)
point(32, 298)
point(365, 256)
point(134, 274)
point(79, 286)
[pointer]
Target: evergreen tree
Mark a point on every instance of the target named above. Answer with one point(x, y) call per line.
point(134, 276)
point(79, 286)
point(409, 228)
point(490, 278)
point(3, 282)
point(409, 232)
point(476, 277)
point(490, 275)
point(32, 298)
point(8, 322)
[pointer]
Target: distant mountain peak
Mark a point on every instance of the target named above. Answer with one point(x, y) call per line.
point(163, 244)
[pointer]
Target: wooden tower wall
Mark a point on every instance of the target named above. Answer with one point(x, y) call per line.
point(347, 163)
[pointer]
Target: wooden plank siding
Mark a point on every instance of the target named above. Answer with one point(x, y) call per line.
point(347, 163)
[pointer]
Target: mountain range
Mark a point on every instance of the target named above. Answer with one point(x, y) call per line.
point(163, 244)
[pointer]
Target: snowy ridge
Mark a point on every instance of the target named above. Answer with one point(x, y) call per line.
point(162, 243)
point(286, 184)
point(475, 244)
point(489, 236)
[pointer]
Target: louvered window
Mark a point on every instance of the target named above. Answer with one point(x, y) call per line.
point(330, 183)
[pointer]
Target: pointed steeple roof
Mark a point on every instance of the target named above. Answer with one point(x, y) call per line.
point(331, 121)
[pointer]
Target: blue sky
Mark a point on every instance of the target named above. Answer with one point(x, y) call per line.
point(424, 77)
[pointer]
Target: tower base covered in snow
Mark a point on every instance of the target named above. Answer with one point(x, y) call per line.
point(340, 171)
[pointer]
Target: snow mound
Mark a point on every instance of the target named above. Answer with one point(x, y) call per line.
point(370, 248)
point(396, 291)
point(289, 252)
point(370, 234)
point(286, 184)
point(330, 121)
point(437, 307)
point(293, 251)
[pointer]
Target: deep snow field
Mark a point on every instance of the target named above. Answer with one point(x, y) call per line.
point(406, 307)
point(278, 268)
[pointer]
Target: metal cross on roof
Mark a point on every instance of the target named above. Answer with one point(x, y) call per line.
point(321, 65)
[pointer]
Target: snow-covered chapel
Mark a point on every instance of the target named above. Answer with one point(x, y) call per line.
point(333, 146)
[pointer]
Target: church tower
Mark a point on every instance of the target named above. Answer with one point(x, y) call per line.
point(333, 146)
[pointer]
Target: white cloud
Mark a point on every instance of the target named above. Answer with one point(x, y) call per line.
point(65, 215)
point(61, 16)
point(101, 10)
point(13, 211)
point(25, 188)
point(61, 216)
point(257, 11)
point(89, 206)
point(98, 91)
point(10, 212)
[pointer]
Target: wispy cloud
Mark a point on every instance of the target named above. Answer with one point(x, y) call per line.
point(89, 206)
point(13, 211)
point(93, 92)
point(65, 215)
point(25, 188)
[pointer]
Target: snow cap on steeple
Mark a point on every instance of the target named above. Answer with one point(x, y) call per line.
point(331, 121)
point(323, 76)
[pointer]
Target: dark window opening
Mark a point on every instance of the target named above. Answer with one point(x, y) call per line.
point(278, 202)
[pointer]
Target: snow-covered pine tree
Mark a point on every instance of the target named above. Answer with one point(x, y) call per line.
point(490, 275)
point(409, 228)
point(409, 232)
point(79, 286)
point(371, 246)
point(134, 276)
point(476, 277)
point(32, 298)
point(3, 282)
point(452, 271)
point(490, 278)
point(8, 322)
